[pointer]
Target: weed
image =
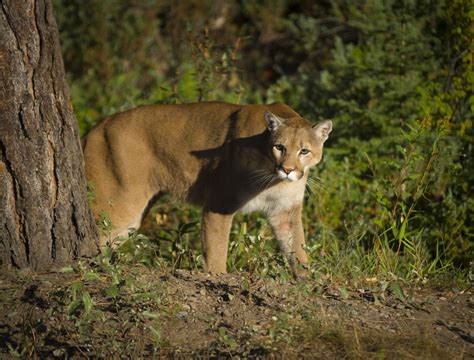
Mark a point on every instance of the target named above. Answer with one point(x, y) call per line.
point(252, 248)
point(105, 225)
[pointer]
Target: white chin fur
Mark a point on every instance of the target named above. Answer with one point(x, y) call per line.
point(290, 177)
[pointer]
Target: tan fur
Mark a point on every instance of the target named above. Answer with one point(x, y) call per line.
point(216, 155)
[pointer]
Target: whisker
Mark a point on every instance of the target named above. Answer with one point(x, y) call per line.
point(316, 185)
point(261, 180)
point(308, 188)
point(257, 173)
point(256, 176)
point(315, 178)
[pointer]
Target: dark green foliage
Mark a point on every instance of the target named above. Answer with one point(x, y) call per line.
point(398, 102)
point(393, 195)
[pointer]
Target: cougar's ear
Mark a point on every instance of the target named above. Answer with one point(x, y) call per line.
point(273, 121)
point(323, 129)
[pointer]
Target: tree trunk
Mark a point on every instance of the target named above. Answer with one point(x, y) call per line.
point(45, 220)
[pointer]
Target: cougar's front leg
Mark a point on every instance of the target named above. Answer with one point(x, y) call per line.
point(215, 240)
point(288, 228)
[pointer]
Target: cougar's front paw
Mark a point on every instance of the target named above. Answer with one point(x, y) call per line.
point(299, 271)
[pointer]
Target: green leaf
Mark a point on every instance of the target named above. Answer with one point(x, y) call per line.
point(155, 333)
point(75, 288)
point(397, 291)
point(188, 227)
point(72, 307)
point(66, 269)
point(87, 301)
point(115, 278)
point(112, 291)
point(150, 315)
point(401, 232)
point(14, 351)
point(92, 276)
point(344, 293)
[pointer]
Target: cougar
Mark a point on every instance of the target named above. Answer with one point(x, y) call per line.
point(223, 157)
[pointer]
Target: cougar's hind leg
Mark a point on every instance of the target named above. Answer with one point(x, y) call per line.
point(124, 211)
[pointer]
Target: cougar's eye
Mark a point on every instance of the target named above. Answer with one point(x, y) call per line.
point(279, 147)
point(304, 152)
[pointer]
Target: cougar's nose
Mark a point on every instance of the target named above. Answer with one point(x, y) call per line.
point(287, 170)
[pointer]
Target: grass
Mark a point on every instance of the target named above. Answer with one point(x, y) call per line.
point(109, 306)
point(135, 299)
point(173, 242)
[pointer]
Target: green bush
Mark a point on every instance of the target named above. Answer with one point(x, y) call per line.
point(397, 157)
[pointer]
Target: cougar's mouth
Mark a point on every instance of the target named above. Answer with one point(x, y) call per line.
point(288, 174)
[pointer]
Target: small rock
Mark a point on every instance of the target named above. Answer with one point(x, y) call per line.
point(181, 315)
point(399, 307)
point(58, 352)
point(267, 312)
point(202, 292)
point(186, 307)
point(442, 298)
point(226, 313)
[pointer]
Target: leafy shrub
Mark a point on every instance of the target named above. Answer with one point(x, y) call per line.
point(395, 152)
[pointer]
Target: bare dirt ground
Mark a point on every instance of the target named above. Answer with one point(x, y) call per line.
point(180, 314)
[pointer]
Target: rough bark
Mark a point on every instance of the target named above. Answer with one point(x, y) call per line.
point(44, 216)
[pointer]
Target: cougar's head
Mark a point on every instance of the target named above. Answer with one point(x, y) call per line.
point(295, 144)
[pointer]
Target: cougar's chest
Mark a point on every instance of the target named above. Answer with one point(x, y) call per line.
point(276, 199)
